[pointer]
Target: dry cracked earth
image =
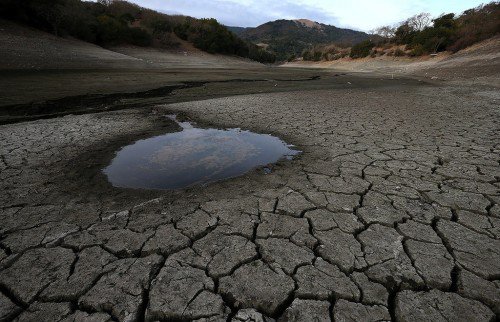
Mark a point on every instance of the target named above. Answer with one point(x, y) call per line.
point(390, 213)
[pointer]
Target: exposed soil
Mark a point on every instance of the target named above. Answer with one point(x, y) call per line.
point(479, 63)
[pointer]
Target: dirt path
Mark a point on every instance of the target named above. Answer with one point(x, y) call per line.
point(392, 207)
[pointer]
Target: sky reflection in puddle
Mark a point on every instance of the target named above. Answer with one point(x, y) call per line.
point(193, 156)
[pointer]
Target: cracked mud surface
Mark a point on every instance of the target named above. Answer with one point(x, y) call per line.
point(391, 213)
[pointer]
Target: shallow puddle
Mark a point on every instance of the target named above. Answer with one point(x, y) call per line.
point(194, 156)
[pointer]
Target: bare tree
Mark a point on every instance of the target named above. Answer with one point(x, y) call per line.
point(420, 21)
point(105, 2)
point(385, 31)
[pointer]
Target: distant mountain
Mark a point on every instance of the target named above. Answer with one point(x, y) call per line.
point(290, 37)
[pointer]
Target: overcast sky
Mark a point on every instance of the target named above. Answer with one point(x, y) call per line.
point(357, 14)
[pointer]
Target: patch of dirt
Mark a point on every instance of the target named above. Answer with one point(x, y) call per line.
point(28, 48)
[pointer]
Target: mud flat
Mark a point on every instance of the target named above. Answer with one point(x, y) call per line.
point(391, 207)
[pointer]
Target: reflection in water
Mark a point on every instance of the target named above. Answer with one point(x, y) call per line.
point(193, 156)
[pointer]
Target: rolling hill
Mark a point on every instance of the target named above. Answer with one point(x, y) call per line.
point(290, 37)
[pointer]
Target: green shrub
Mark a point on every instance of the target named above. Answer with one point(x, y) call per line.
point(417, 50)
point(404, 34)
point(399, 52)
point(312, 55)
point(139, 37)
point(433, 39)
point(110, 31)
point(362, 49)
point(307, 55)
point(259, 54)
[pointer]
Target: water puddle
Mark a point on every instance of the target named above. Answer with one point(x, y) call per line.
point(194, 156)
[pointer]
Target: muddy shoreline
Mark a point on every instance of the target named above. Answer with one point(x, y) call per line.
point(95, 103)
point(183, 91)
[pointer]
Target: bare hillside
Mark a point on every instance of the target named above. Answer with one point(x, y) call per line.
point(183, 58)
point(27, 48)
point(479, 61)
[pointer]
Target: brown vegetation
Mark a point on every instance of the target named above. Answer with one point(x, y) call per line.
point(420, 35)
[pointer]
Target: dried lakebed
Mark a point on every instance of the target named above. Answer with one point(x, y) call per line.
point(194, 156)
point(390, 213)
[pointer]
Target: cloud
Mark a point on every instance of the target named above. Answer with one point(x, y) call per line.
point(246, 14)
point(361, 14)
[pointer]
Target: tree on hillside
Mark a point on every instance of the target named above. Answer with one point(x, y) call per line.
point(404, 33)
point(386, 32)
point(445, 21)
point(433, 39)
point(475, 25)
point(46, 14)
point(406, 30)
point(423, 35)
point(105, 2)
point(420, 22)
point(124, 10)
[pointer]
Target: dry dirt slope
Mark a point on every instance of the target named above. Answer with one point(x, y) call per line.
point(27, 48)
point(479, 62)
